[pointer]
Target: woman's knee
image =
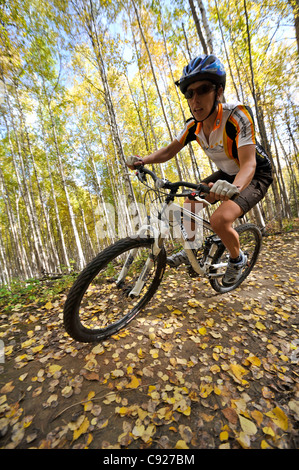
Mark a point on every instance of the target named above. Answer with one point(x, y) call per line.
point(217, 221)
point(221, 219)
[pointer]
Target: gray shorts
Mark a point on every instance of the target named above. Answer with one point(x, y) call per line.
point(251, 195)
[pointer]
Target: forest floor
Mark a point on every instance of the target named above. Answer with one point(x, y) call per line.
point(195, 370)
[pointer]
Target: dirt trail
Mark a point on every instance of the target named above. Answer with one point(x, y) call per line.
point(196, 370)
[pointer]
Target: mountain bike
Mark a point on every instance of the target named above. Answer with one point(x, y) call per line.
point(118, 283)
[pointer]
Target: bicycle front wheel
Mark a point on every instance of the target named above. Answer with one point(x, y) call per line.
point(112, 289)
point(250, 238)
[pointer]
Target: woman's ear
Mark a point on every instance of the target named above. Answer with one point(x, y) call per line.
point(220, 96)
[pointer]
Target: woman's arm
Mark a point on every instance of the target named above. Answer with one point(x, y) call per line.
point(242, 179)
point(162, 155)
point(247, 161)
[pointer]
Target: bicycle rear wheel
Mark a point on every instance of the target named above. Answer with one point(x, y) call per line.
point(250, 243)
point(100, 303)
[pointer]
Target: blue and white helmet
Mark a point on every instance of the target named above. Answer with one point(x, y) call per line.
point(203, 67)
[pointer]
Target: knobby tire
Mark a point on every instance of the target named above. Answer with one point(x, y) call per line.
point(102, 264)
point(251, 237)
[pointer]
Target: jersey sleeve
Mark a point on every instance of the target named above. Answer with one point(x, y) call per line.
point(188, 133)
point(242, 120)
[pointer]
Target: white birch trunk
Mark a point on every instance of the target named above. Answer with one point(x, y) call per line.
point(206, 26)
point(65, 257)
point(81, 258)
point(21, 258)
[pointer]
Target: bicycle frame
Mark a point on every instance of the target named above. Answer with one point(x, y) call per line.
point(160, 234)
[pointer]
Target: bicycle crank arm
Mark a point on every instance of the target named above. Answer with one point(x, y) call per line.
point(217, 266)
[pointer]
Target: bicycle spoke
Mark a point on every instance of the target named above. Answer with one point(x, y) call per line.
point(250, 243)
point(115, 289)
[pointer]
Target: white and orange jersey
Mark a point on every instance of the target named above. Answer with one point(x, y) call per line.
point(233, 128)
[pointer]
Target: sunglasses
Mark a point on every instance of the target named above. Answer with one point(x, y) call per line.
point(201, 90)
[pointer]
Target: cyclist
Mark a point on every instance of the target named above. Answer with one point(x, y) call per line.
point(226, 134)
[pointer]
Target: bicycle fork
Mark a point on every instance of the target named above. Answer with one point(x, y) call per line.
point(158, 236)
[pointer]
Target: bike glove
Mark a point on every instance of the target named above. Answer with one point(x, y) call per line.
point(224, 188)
point(131, 160)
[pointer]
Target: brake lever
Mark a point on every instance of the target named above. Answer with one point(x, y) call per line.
point(141, 175)
point(195, 196)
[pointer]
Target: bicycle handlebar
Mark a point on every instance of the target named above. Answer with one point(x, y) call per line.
point(163, 183)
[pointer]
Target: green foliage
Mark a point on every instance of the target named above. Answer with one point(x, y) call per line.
point(33, 291)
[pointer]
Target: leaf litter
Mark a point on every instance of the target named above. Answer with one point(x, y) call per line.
point(196, 370)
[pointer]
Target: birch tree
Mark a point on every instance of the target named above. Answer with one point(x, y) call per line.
point(206, 26)
point(88, 14)
point(198, 27)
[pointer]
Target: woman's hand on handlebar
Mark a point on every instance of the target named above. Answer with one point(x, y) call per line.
point(134, 161)
point(222, 190)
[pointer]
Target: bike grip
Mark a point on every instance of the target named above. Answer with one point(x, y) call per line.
point(204, 188)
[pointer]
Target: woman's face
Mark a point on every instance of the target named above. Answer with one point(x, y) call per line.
point(202, 99)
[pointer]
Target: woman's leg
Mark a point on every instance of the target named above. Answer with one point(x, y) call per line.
point(221, 222)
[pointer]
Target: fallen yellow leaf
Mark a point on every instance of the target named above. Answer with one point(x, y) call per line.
point(67, 391)
point(223, 436)
point(89, 440)
point(258, 416)
point(269, 430)
point(54, 368)
point(259, 311)
point(244, 440)
point(260, 326)
point(27, 421)
point(90, 395)
point(37, 348)
point(215, 369)
point(7, 388)
point(28, 343)
point(122, 411)
point(194, 303)
point(254, 360)
point(134, 382)
point(138, 430)
point(279, 418)
point(103, 424)
point(247, 426)
point(265, 445)
point(205, 390)
point(202, 331)
point(99, 349)
point(272, 348)
point(238, 372)
point(181, 445)
point(140, 353)
point(176, 311)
